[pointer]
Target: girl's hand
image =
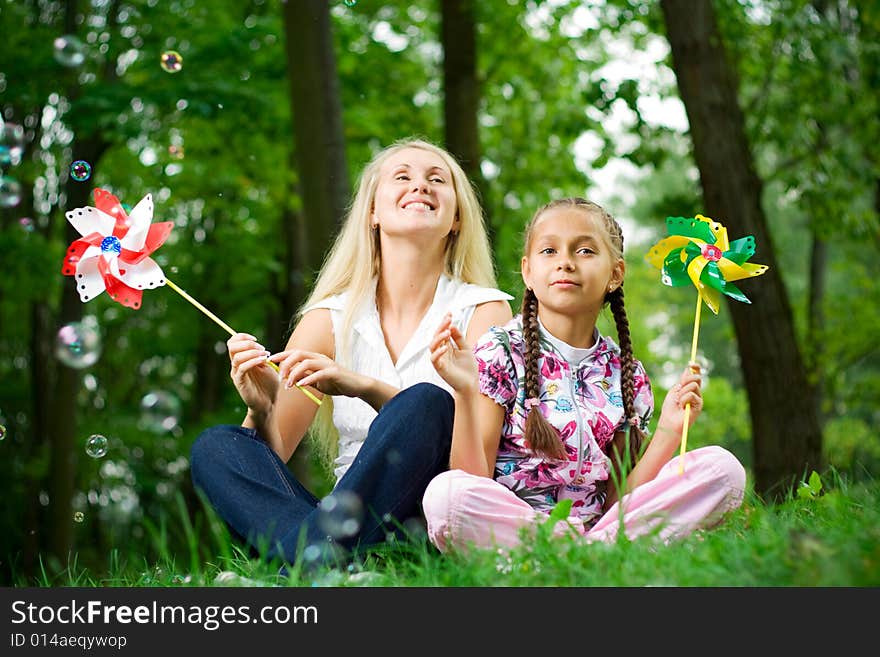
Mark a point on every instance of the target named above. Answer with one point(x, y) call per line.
point(453, 358)
point(687, 390)
point(257, 383)
point(310, 368)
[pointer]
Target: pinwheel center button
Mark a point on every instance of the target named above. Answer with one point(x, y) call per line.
point(711, 252)
point(111, 245)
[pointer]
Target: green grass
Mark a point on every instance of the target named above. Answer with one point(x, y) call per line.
point(826, 537)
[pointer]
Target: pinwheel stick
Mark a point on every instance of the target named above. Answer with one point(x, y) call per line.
point(229, 330)
point(687, 408)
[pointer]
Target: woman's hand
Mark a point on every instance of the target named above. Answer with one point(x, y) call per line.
point(452, 358)
point(310, 368)
point(257, 383)
point(686, 391)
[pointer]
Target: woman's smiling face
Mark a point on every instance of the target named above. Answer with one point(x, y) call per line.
point(415, 191)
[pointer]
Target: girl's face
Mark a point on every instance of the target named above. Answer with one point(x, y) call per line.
point(415, 193)
point(571, 265)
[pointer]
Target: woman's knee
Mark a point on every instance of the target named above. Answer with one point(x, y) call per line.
point(210, 451)
point(418, 415)
point(427, 396)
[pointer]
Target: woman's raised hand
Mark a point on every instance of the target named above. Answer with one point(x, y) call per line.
point(452, 357)
point(256, 381)
point(310, 368)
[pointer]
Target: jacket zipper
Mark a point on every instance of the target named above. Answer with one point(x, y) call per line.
point(580, 430)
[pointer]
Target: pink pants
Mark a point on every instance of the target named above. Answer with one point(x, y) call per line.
point(465, 510)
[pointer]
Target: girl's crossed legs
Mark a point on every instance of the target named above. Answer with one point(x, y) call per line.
point(465, 510)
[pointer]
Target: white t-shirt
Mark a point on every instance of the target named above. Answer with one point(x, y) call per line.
point(353, 416)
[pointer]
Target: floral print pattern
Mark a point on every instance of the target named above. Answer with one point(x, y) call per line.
point(583, 402)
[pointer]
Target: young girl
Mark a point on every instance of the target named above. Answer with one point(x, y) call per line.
point(547, 409)
point(412, 249)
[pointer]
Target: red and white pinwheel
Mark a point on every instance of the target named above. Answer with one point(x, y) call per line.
point(113, 252)
point(113, 255)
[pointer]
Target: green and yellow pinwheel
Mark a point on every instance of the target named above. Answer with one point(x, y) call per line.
point(698, 251)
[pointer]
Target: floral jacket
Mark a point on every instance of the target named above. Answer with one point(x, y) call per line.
point(583, 402)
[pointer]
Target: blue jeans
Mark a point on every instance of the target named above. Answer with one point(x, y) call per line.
point(262, 502)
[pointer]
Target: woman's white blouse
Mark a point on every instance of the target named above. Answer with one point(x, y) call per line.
point(369, 355)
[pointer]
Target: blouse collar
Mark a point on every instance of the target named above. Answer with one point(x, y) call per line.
point(601, 350)
point(367, 321)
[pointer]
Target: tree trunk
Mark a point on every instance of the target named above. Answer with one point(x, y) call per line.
point(62, 405)
point(296, 260)
point(40, 370)
point(316, 110)
point(62, 423)
point(461, 93)
point(323, 185)
point(290, 284)
point(38, 429)
point(786, 434)
point(293, 294)
point(815, 335)
point(212, 368)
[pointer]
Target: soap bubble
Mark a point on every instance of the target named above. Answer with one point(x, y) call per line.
point(10, 192)
point(78, 344)
point(415, 529)
point(326, 553)
point(27, 224)
point(96, 446)
point(79, 516)
point(160, 411)
point(171, 61)
point(350, 3)
point(80, 170)
point(176, 151)
point(227, 577)
point(2, 432)
point(11, 144)
point(69, 51)
point(312, 553)
point(340, 514)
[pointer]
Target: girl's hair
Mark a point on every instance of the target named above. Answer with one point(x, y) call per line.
point(353, 261)
point(539, 433)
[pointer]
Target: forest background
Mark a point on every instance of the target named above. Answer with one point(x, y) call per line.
point(761, 114)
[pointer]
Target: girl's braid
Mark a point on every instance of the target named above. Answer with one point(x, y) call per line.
point(540, 435)
point(530, 335)
point(627, 361)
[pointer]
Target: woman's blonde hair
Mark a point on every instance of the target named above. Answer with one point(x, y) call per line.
point(349, 267)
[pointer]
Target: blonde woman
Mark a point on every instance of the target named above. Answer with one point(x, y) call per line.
point(412, 249)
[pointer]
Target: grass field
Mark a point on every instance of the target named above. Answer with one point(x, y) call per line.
point(827, 536)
